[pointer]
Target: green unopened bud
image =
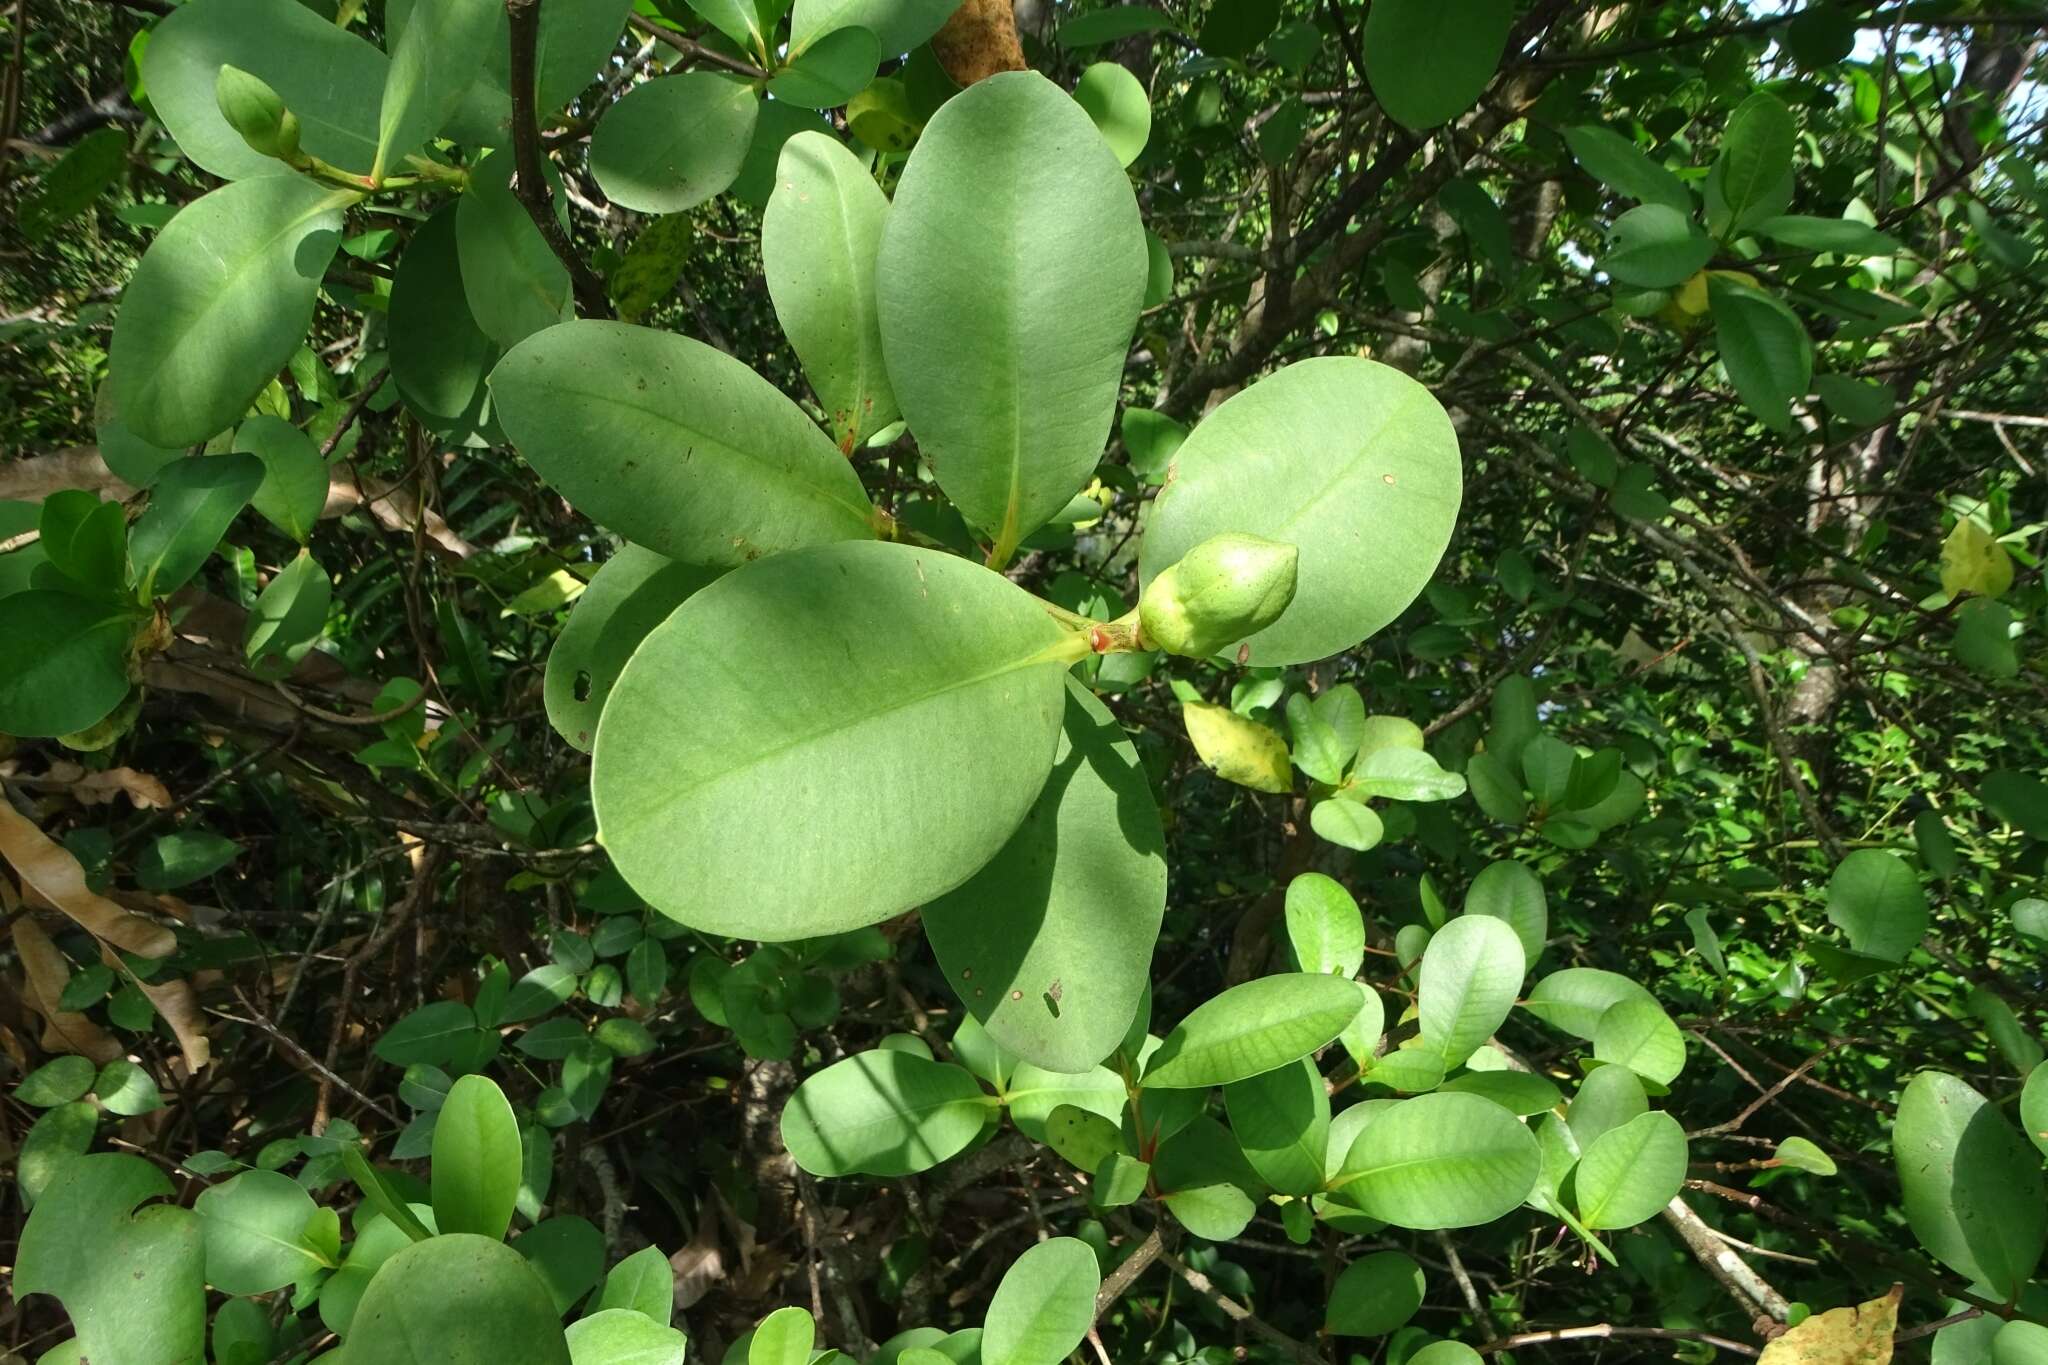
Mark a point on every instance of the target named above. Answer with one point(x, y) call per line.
point(1224, 589)
point(257, 112)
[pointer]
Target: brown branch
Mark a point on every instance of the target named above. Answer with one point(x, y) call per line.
point(530, 185)
point(1604, 1330)
point(693, 50)
point(1239, 1314)
point(1128, 1271)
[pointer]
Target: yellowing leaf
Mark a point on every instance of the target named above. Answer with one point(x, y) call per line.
point(1861, 1335)
point(1972, 560)
point(1690, 298)
point(1239, 750)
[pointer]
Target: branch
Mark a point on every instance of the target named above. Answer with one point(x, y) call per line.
point(693, 50)
point(1603, 1330)
point(1735, 1274)
point(529, 183)
point(1128, 1271)
point(1239, 1314)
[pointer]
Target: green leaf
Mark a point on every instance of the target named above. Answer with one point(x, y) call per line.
point(1510, 892)
point(1471, 973)
point(174, 860)
point(1035, 1094)
point(1281, 1120)
point(1083, 1139)
point(1574, 999)
point(1983, 638)
point(882, 1113)
point(652, 265)
point(457, 1299)
point(68, 664)
point(221, 300)
point(53, 1142)
point(1122, 111)
point(1151, 438)
point(433, 1034)
point(1234, 30)
point(294, 487)
point(1113, 25)
point(69, 187)
point(254, 1227)
point(1519, 1092)
point(329, 78)
point(1440, 1161)
point(739, 20)
point(1973, 1192)
point(1764, 348)
point(675, 445)
point(1323, 926)
point(568, 1255)
point(1252, 1028)
point(1876, 900)
point(1216, 1213)
point(1842, 236)
point(1972, 560)
point(1427, 63)
point(440, 356)
point(785, 1337)
point(898, 25)
point(1638, 1034)
point(643, 1283)
point(1756, 158)
point(820, 235)
point(671, 144)
point(2018, 799)
point(290, 614)
point(191, 505)
point(873, 721)
point(1005, 344)
point(1238, 750)
point(476, 1160)
point(1375, 1295)
point(829, 72)
point(56, 1082)
point(1049, 945)
point(133, 1283)
point(1655, 246)
point(618, 1336)
point(1403, 774)
point(427, 78)
point(2034, 1107)
point(1628, 1174)
point(1608, 1097)
point(634, 591)
point(515, 285)
point(1310, 456)
point(124, 1088)
point(1796, 1152)
point(1618, 163)
point(1044, 1305)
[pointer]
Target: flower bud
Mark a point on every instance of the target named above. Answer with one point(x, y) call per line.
point(1226, 588)
point(257, 112)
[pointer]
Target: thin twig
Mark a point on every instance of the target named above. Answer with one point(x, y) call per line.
point(530, 184)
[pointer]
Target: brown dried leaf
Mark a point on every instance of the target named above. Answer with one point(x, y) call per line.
point(178, 1003)
point(144, 791)
point(63, 1030)
point(1861, 1335)
point(699, 1266)
point(48, 868)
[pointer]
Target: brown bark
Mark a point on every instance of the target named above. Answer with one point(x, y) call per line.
point(978, 41)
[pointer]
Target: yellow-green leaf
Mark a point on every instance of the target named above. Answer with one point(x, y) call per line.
point(1239, 750)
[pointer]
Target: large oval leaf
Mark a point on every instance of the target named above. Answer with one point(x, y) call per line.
point(1509, 891)
point(1973, 1191)
point(1012, 270)
point(253, 1226)
point(1351, 462)
point(883, 1113)
point(428, 76)
point(673, 143)
point(1631, 1172)
point(820, 235)
point(1044, 1306)
point(440, 356)
point(1470, 973)
point(1575, 998)
point(675, 445)
point(68, 664)
point(514, 283)
point(1877, 901)
point(1050, 944)
point(1282, 1122)
point(1252, 1028)
point(329, 78)
point(457, 1299)
point(620, 1336)
point(633, 592)
point(1428, 61)
point(1440, 1161)
point(221, 300)
point(826, 738)
point(476, 1168)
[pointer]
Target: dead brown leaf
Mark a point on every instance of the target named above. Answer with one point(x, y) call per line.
point(63, 1030)
point(47, 868)
point(1860, 1335)
point(699, 1266)
point(178, 1003)
point(144, 791)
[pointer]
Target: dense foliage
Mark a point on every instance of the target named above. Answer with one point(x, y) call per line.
point(933, 681)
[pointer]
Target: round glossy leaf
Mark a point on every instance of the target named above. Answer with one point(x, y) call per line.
point(294, 487)
point(1034, 1094)
point(1323, 926)
point(1639, 1035)
point(1510, 892)
point(1875, 899)
point(1348, 824)
point(1973, 1190)
point(1471, 973)
point(68, 665)
point(871, 721)
point(253, 1225)
point(1351, 462)
point(1281, 1120)
point(620, 1336)
point(1050, 944)
point(567, 1253)
point(1252, 1028)
point(1116, 100)
point(1375, 1295)
point(1628, 1174)
point(55, 1082)
point(829, 72)
point(820, 235)
point(329, 78)
point(221, 300)
point(1428, 62)
point(440, 357)
point(1519, 1092)
point(675, 445)
point(1440, 1161)
point(673, 143)
point(882, 1113)
point(643, 1283)
point(457, 1299)
point(1765, 349)
point(1044, 1305)
point(898, 25)
point(635, 591)
point(1608, 1097)
point(476, 1168)
point(514, 284)
point(1575, 998)
point(1010, 278)
point(132, 459)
